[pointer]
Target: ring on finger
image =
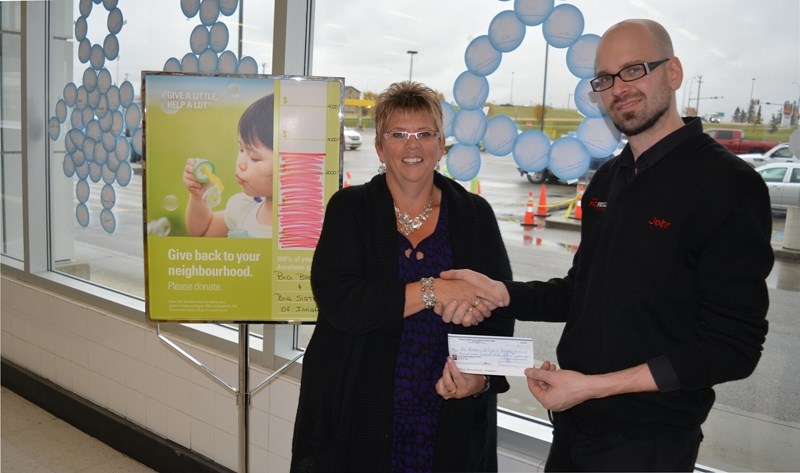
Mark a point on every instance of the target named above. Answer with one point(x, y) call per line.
point(475, 304)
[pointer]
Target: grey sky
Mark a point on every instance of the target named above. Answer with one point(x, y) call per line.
point(727, 42)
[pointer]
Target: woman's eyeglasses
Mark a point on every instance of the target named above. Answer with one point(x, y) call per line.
point(401, 136)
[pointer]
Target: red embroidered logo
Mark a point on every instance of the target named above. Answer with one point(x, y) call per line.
point(660, 223)
point(596, 204)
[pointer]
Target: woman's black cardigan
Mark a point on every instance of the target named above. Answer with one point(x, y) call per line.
point(354, 277)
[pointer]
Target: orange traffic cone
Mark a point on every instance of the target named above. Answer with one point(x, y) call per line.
point(346, 179)
point(578, 214)
point(541, 210)
point(527, 221)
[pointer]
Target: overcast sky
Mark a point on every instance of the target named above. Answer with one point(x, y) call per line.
point(728, 43)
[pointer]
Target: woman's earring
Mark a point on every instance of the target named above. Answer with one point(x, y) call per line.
point(381, 168)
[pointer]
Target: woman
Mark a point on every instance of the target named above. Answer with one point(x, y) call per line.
point(378, 391)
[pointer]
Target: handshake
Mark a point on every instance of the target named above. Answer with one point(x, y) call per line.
point(463, 297)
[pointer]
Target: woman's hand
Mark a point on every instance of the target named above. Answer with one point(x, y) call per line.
point(457, 385)
point(461, 303)
point(489, 289)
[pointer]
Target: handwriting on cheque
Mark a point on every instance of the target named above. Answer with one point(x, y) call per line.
point(507, 356)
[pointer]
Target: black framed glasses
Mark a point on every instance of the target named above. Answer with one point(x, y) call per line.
point(628, 74)
point(401, 136)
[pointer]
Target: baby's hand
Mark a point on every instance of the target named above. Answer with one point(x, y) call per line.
point(190, 182)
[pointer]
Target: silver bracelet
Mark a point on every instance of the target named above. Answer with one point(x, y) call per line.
point(428, 296)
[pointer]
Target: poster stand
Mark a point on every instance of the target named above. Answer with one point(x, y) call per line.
point(242, 392)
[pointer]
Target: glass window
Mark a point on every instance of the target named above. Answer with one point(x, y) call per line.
point(773, 174)
point(95, 65)
point(98, 56)
point(372, 44)
point(11, 226)
point(795, 175)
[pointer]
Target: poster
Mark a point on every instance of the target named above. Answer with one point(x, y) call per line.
point(237, 172)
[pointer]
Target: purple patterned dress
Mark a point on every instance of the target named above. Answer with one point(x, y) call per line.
point(421, 357)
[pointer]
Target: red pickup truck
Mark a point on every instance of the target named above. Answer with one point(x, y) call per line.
point(735, 142)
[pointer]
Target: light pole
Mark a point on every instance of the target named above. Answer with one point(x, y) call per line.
point(411, 66)
point(511, 95)
point(750, 106)
point(544, 87)
point(697, 107)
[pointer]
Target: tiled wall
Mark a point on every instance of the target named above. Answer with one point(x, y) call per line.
point(123, 366)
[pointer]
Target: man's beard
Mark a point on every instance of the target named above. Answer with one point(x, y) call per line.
point(639, 127)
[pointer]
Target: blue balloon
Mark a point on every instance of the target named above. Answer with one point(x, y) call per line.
point(227, 62)
point(588, 101)
point(481, 57)
point(83, 98)
point(68, 166)
point(228, 7)
point(533, 12)
point(207, 62)
point(126, 94)
point(81, 28)
point(199, 39)
point(70, 93)
point(471, 91)
point(248, 65)
point(54, 128)
point(580, 56)
point(569, 158)
point(115, 21)
point(61, 110)
point(219, 36)
point(209, 12)
point(84, 50)
point(531, 150)
point(448, 115)
point(469, 126)
point(463, 162)
point(190, 7)
point(506, 32)
point(172, 65)
point(563, 27)
point(501, 133)
point(189, 63)
point(599, 135)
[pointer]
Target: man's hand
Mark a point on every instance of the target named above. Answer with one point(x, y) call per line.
point(559, 390)
point(492, 291)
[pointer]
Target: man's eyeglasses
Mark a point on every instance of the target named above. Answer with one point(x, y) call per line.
point(400, 136)
point(628, 74)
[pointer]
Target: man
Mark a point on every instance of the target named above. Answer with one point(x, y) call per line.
point(667, 295)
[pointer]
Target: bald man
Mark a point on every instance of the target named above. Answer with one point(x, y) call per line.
point(666, 296)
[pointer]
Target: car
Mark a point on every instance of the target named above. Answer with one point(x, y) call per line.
point(779, 153)
point(783, 181)
point(352, 138)
point(714, 120)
